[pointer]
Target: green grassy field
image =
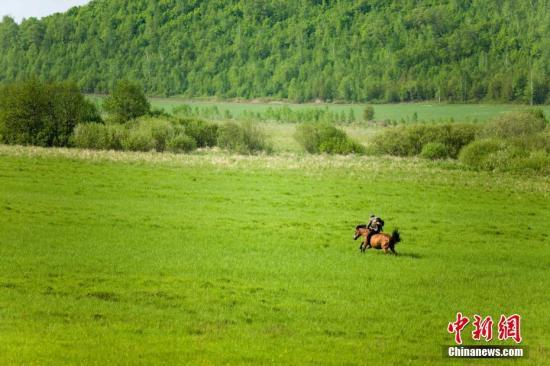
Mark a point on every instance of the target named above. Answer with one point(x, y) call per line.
point(424, 111)
point(209, 259)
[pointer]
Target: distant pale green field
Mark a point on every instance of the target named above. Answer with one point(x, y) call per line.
point(405, 111)
point(128, 258)
point(424, 112)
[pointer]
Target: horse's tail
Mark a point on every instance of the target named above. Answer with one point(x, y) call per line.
point(395, 237)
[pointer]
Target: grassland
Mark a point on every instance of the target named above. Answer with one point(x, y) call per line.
point(209, 259)
point(425, 111)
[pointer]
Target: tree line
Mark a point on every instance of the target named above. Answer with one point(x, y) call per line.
point(57, 114)
point(363, 50)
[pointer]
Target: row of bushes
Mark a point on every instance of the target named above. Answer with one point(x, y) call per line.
point(509, 155)
point(143, 135)
point(36, 112)
point(431, 141)
point(283, 114)
point(515, 141)
point(169, 134)
point(43, 113)
point(184, 135)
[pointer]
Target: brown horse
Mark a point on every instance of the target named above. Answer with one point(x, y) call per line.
point(377, 241)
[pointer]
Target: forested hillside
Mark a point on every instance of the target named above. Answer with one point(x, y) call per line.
point(368, 50)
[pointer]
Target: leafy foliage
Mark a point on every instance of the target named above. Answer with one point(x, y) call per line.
point(90, 136)
point(181, 143)
point(409, 140)
point(434, 151)
point(40, 113)
point(126, 102)
point(517, 154)
point(478, 152)
point(143, 134)
point(302, 50)
point(205, 134)
point(244, 138)
point(368, 113)
point(515, 124)
point(515, 141)
point(325, 138)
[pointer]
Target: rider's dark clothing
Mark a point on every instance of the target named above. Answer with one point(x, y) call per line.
point(375, 226)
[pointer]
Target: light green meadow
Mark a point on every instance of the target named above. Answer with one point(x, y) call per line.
point(215, 259)
point(428, 112)
point(424, 111)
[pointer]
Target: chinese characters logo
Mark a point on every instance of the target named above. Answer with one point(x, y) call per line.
point(508, 327)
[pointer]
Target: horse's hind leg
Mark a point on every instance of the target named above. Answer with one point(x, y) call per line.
point(392, 248)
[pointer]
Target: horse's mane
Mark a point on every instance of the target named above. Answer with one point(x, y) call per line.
point(362, 226)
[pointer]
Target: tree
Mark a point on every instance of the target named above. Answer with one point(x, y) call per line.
point(368, 113)
point(39, 113)
point(383, 51)
point(126, 102)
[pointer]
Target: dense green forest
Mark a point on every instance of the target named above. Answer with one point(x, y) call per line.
point(366, 50)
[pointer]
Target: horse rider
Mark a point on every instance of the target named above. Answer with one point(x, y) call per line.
point(375, 226)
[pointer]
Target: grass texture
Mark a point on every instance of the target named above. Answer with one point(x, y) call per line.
point(210, 259)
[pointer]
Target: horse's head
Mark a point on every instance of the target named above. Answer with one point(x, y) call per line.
point(359, 230)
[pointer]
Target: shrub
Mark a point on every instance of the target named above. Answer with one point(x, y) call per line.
point(325, 138)
point(40, 113)
point(116, 133)
point(231, 137)
point(410, 140)
point(308, 136)
point(161, 131)
point(244, 138)
point(394, 141)
point(514, 124)
point(90, 136)
point(540, 141)
point(537, 160)
point(126, 102)
point(138, 139)
point(434, 151)
point(144, 134)
point(521, 153)
point(368, 113)
point(204, 133)
point(480, 153)
point(341, 146)
point(457, 136)
point(181, 143)
point(99, 136)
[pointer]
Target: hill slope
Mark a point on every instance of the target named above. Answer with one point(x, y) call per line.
point(456, 50)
